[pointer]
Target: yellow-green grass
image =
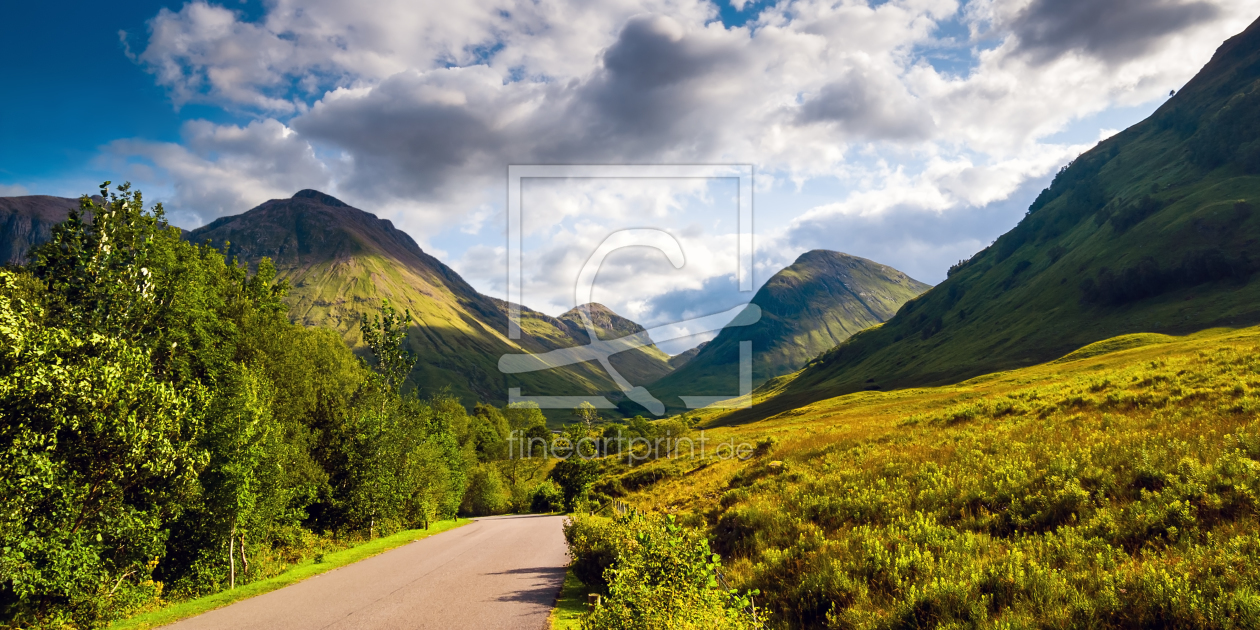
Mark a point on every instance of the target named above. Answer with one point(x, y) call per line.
point(302, 571)
point(1116, 487)
point(571, 605)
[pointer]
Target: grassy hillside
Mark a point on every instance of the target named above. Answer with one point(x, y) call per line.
point(1116, 487)
point(1152, 230)
point(343, 262)
point(820, 300)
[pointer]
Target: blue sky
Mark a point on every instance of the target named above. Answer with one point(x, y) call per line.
point(73, 89)
point(912, 132)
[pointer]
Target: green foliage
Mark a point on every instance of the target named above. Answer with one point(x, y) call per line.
point(95, 457)
point(656, 574)
point(1148, 278)
point(157, 410)
point(594, 544)
point(385, 336)
point(487, 492)
point(546, 498)
point(575, 476)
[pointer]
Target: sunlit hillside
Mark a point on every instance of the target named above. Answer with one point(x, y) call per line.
point(1114, 487)
point(1154, 229)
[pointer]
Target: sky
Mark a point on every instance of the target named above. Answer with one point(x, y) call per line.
point(909, 132)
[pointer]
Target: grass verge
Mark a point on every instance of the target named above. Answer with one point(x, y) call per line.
point(306, 569)
point(567, 615)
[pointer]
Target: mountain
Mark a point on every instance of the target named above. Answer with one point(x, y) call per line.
point(640, 366)
point(815, 303)
point(342, 262)
point(27, 221)
point(683, 357)
point(1153, 230)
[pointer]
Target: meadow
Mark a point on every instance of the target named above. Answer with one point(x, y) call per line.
point(1115, 487)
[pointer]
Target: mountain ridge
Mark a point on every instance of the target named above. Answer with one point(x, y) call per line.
point(1149, 231)
point(27, 221)
point(342, 261)
point(821, 299)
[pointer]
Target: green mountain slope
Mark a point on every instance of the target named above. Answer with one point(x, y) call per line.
point(683, 357)
point(1153, 230)
point(820, 300)
point(342, 262)
point(27, 221)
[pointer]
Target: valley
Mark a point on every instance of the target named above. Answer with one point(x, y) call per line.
point(199, 427)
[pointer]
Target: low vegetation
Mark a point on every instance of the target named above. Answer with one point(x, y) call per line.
point(653, 574)
point(1116, 488)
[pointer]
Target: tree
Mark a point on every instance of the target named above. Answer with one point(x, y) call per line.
point(386, 337)
point(587, 415)
point(95, 458)
point(575, 476)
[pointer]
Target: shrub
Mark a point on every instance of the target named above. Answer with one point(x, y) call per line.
point(575, 476)
point(546, 497)
point(487, 493)
point(593, 542)
point(661, 575)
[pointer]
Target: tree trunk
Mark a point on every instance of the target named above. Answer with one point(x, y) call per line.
point(244, 561)
point(232, 558)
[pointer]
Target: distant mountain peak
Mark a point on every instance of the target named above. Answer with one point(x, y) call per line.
point(821, 253)
point(818, 301)
point(320, 197)
point(605, 319)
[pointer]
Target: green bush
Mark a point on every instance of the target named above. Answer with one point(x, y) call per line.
point(658, 575)
point(546, 498)
point(487, 493)
point(575, 476)
point(594, 542)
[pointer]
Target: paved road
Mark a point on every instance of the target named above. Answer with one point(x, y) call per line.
point(500, 572)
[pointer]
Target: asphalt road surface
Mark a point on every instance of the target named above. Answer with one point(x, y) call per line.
point(500, 572)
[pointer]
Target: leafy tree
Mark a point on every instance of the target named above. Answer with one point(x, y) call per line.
point(587, 415)
point(487, 493)
point(386, 337)
point(575, 476)
point(95, 458)
point(157, 409)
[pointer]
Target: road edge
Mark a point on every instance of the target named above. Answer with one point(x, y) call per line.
point(302, 571)
point(570, 606)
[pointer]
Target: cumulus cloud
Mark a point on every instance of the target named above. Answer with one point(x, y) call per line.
point(1112, 30)
point(414, 110)
point(565, 220)
point(219, 170)
point(871, 106)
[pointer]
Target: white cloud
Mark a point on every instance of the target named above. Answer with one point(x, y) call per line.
point(13, 190)
point(219, 170)
point(413, 110)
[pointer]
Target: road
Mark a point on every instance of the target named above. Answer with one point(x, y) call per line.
point(499, 572)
